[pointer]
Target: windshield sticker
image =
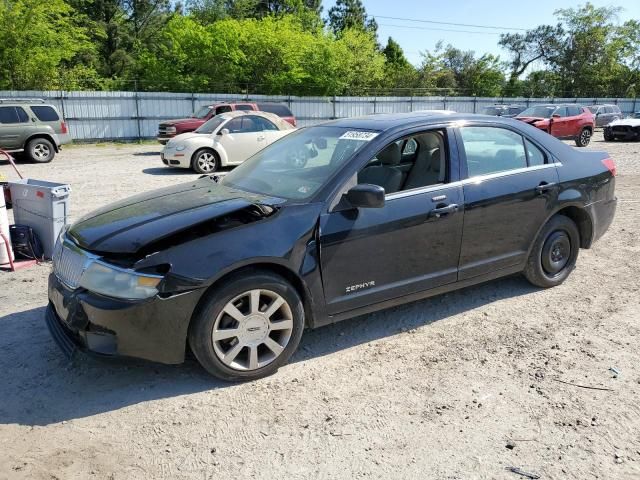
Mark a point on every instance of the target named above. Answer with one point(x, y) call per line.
point(357, 135)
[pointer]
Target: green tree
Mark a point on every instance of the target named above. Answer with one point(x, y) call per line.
point(350, 14)
point(39, 45)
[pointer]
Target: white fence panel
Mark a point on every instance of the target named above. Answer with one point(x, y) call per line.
point(134, 115)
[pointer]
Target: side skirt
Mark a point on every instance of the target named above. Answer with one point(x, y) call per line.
point(425, 294)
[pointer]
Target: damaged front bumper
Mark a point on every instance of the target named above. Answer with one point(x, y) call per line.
point(154, 329)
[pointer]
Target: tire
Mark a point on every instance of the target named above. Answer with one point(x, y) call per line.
point(40, 150)
point(608, 136)
point(205, 161)
point(248, 328)
point(583, 139)
point(554, 253)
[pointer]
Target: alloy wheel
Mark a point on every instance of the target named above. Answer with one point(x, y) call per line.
point(585, 137)
point(252, 330)
point(41, 151)
point(207, 162)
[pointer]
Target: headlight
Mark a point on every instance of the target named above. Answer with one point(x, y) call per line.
point(180, 148)
point(171, 130)
point(119, 283)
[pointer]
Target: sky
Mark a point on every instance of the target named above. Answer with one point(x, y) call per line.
point(507, 14)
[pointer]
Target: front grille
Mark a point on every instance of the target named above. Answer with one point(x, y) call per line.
point(621, 129)
point(68, 265)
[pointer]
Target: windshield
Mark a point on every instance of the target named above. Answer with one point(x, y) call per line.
point(593, 109)
point(491, 110)
point(538, 112)
point(298, 165)
point(202, 112)
point(212, 124)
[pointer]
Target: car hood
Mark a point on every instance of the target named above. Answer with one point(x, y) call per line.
point(178, 121)
point(531, 120)
point(183, 137)
point(128, 226)
point(630, 122)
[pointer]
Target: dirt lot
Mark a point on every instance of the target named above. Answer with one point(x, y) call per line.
point(456, 387)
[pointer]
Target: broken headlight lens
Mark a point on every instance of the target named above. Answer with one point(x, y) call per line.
point(120, 283)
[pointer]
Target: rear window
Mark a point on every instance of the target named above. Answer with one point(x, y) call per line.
point(45, 113)
point(276, 109)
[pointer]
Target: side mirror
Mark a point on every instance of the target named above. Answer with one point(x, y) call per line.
point(224, 131)
point(365, 195)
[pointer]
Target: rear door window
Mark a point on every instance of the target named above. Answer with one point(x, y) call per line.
point(22, 115)
point(45, 113)
point(9, 115)
point(535, 156)
point(574, 111)
point(492, 149)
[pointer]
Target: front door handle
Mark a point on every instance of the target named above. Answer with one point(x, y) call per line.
point(544, 186)
point(438, 212)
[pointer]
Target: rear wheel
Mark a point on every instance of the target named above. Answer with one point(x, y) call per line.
point(40, 150)
point(584, 138)
point(248, 328)
point(205, 161)
point(554, 253)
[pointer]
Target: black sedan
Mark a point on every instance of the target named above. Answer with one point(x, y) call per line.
point(332, 221)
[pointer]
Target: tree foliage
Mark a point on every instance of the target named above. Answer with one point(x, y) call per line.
point(287, 47)
point(586, 54)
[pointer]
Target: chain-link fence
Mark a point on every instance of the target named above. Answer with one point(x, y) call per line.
point(127, 116)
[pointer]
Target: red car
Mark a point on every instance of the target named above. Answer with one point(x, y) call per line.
point(170, 128)
point(570, 121)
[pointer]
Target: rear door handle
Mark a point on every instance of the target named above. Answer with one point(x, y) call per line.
point(544, 186)
point(438, 212)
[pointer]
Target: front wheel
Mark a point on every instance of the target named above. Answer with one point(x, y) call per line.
point(584, 138)
point(608, 136)
point(205, 161)
point(554, 253)
point(248, 328)
point(40, 150)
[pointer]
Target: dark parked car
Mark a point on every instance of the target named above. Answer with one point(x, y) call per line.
point(332, 221)
point(170, 128)
point(605, 114)
point(569, 122)
point(502, 110)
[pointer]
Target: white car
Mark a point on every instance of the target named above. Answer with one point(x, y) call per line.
point(623, 129)
point(225, 140)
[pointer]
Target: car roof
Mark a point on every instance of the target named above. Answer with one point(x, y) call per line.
point(269, 116)
point(386, 121)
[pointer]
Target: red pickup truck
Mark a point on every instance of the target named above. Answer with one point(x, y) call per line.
point(170, 128)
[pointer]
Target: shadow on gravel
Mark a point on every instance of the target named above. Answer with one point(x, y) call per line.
point(168, 171)
point(146, 154)
point(38, 386)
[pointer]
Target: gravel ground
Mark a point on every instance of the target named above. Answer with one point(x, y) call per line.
point(459, 386)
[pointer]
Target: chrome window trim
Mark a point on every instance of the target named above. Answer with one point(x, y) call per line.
point(470, 180)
